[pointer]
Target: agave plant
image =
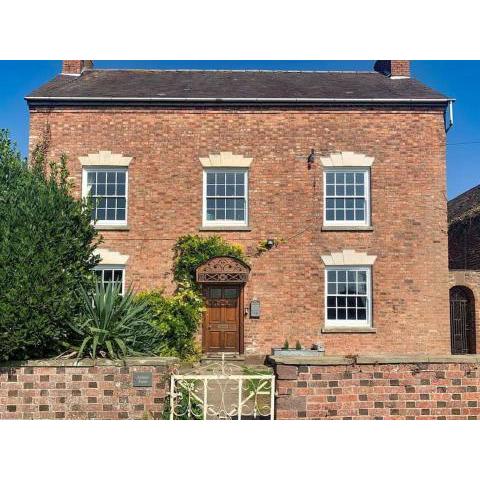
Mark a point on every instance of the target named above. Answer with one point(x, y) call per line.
point(113, 325)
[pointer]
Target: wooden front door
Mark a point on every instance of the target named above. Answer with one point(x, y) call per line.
point(222, 319)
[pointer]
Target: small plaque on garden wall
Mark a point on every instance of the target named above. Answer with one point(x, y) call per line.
point(255, 308)
point(142, 379)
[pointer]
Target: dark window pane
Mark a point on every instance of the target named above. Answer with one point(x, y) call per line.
point(210, 178)
point(331, 288)
point(340, 203)
point(230, 293)
point(240, 215)
point(239, 178)
point(91, 177)
point(350, 190)
point(331, 302)
point(211, 214)
point(362, 314)
point(221, 178)
point(349, 203)
point(120, 189)
point(101, 177)
point(330, 203)
point(111, 189)
point(230, 203)
point(121, 177)
point(340, 177)
point(352, 314)
point(210, 190)
point(340, 215)
point(352, 276)
point(107, 275)
point(330, 178)
point(342, 276)
point(342, 288)
point(361, 302)
point(359, 178)
point(359, 190)
point(121, 214)
point(331, 314)
point(349, 215)
point(230, 178)
point(330, 215)
point(362, 288)
point(230, 215)
point(349, 178)
point(340, 190)
point(330, 190)
point(351, 302)
point(220, 203)
point(220, 190)
point(101, 213)
point(331, 275)
point(101, 189)
point(121, 203)
point(215, 293)
point(111, 177)
point(230, 190)
point(220, 215)
point(352, 288)
point(341, 301)
point(342, 313)
point(110, 214)
point(360, 215)
point(117, 275)
point(240, 191)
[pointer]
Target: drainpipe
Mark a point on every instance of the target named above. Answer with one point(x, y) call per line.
point(449, 123)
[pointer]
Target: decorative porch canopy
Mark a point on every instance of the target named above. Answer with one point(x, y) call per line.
point(222, 270)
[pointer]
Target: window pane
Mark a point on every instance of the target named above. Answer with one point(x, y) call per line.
point(359, 178)
point(332, 275)
point(341, 302)
point(230, 190)
point(331, 289)
point(341, 288)
point(210, 178)
point(331, 302)
point(110, 214)
point(330, 178)
point(211, 214)
point(101, 189)
point(340, 215)
point(339, 190)
point(349, 190)
point(118, 275)
point(239, 214)
point(330, 215)
point(121, 177)
point(111, 177)
point(330, 190)
point(230, 178)
point(121, 202)
point(349, 178)
point(91, 176)
point(220, 190)
point(221, 178)
point(120, 214)
point(342, 313)
point(342, 276)
point(230, 214)
point(351, 314)
point(240, 190)
point(111, 189)
point(210, 190)
point(107, 275)
point(331, 314)
point(120, 189)
point(239, 178)
point(101, 177)
point(220, 215)
point(349, 215)
point(339, 178)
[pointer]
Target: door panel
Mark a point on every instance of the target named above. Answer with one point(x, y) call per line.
point(222, 318)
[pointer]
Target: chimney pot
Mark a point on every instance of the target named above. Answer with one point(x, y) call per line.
point(393, 68)
point(76, 67)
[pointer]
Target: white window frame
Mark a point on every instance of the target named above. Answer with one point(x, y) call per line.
point(105, 266)
point(224, 223)
point(85, 191)
point(348, 223)
point(367, 323)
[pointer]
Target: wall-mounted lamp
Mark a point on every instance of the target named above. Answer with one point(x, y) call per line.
point(311, 159)
point(270, 243)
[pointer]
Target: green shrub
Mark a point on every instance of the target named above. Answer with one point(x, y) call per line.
point(113, 326)
point(46, 247)
point(176, 319)
point(192, 250)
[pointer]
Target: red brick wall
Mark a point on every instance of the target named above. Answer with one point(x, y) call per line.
point(412, 389)
point(56, 390)
point(165, 185)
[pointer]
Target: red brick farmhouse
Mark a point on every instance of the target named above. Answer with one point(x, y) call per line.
point(342, 174)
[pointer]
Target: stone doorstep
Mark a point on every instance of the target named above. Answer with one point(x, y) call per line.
point(373, 359)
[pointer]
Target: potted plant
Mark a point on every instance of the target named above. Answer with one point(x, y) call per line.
point(299, 351)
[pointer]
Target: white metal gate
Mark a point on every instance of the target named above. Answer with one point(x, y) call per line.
point(222, 391)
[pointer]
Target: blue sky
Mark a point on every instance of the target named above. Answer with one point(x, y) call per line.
point(458, 79)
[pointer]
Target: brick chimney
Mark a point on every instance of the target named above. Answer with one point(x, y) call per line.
point(393, 68)
point(76, 67)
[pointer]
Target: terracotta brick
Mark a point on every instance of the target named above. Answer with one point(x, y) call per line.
point(285, 201)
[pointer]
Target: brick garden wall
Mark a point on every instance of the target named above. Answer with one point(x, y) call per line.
point(408, 388)
point(409, 235)
point(53, 389)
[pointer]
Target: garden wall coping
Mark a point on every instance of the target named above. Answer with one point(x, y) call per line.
point(87, 362)
point(373, 359)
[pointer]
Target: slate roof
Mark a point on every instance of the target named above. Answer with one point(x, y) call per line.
point(233, 85)
point(465, 206)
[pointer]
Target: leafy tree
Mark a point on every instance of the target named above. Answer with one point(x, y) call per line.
point(46, 252)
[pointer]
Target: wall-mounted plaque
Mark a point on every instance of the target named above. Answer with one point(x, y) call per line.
point(255, 308)
point(142, 379)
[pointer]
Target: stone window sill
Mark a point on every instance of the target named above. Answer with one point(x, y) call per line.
point(349, 330)
point(225, 228)
point(112, 227)
point(344, 228)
